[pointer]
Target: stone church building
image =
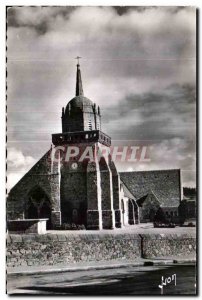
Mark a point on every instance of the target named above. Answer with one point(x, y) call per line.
point(76, 181)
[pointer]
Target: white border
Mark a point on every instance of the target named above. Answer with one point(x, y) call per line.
point(104, 3)
point(3, 5)
point(2, 150)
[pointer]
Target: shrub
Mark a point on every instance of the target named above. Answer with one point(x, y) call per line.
point(160, 216)
point(73, 226)
point(67, 226)
point(190, 224)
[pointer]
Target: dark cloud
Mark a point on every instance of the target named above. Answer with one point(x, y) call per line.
point(164, 115)
point(164, 122)
point(38, 18)
point(121, 10)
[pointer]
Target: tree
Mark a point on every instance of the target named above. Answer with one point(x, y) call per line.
point(182, 211)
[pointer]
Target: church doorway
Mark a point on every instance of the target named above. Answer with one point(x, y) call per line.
point(75, 216)
point(38, 205)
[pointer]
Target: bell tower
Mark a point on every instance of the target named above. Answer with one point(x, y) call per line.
point(88, 185)
point(80, 114)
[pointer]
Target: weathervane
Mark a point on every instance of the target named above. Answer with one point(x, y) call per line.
point(78, 57)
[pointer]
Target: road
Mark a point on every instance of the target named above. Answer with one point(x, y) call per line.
point(142, 280)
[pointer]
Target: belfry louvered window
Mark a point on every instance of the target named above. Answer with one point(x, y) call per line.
point(89, 125)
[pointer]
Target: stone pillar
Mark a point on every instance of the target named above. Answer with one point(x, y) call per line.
point(116, 193)
point(118, 218)
point(136, 212)
point(55, 205)
point(130, 212)
point(108, 218)
point(93, 219)
point(94, 214)
point(56, 219)
point(141, 218)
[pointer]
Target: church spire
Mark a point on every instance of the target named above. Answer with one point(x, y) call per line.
point(79, 88)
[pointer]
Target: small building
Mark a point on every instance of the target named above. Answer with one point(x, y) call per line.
point(154, 189)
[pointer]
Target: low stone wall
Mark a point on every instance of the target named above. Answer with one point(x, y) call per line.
point(53, 249)
point(157, 245)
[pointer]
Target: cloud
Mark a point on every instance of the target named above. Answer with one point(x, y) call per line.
point(16, 159)
point(167, 154)
point(17, 165)
point(138, 64)
point(164, 122)
point(35, 17)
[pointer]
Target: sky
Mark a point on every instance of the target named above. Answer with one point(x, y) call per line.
point(138, 64)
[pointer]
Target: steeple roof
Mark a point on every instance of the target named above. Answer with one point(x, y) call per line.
point(79, 101)
point(80, 114)
point(79, 87)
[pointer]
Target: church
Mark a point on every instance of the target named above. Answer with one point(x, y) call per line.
point(77, 182)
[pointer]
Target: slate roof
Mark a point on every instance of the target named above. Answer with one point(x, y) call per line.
point(80, 102)
point(165, 184)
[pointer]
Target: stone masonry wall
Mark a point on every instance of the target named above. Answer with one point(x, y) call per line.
point(73, 193)
point(157, 245)
point(53, 249)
